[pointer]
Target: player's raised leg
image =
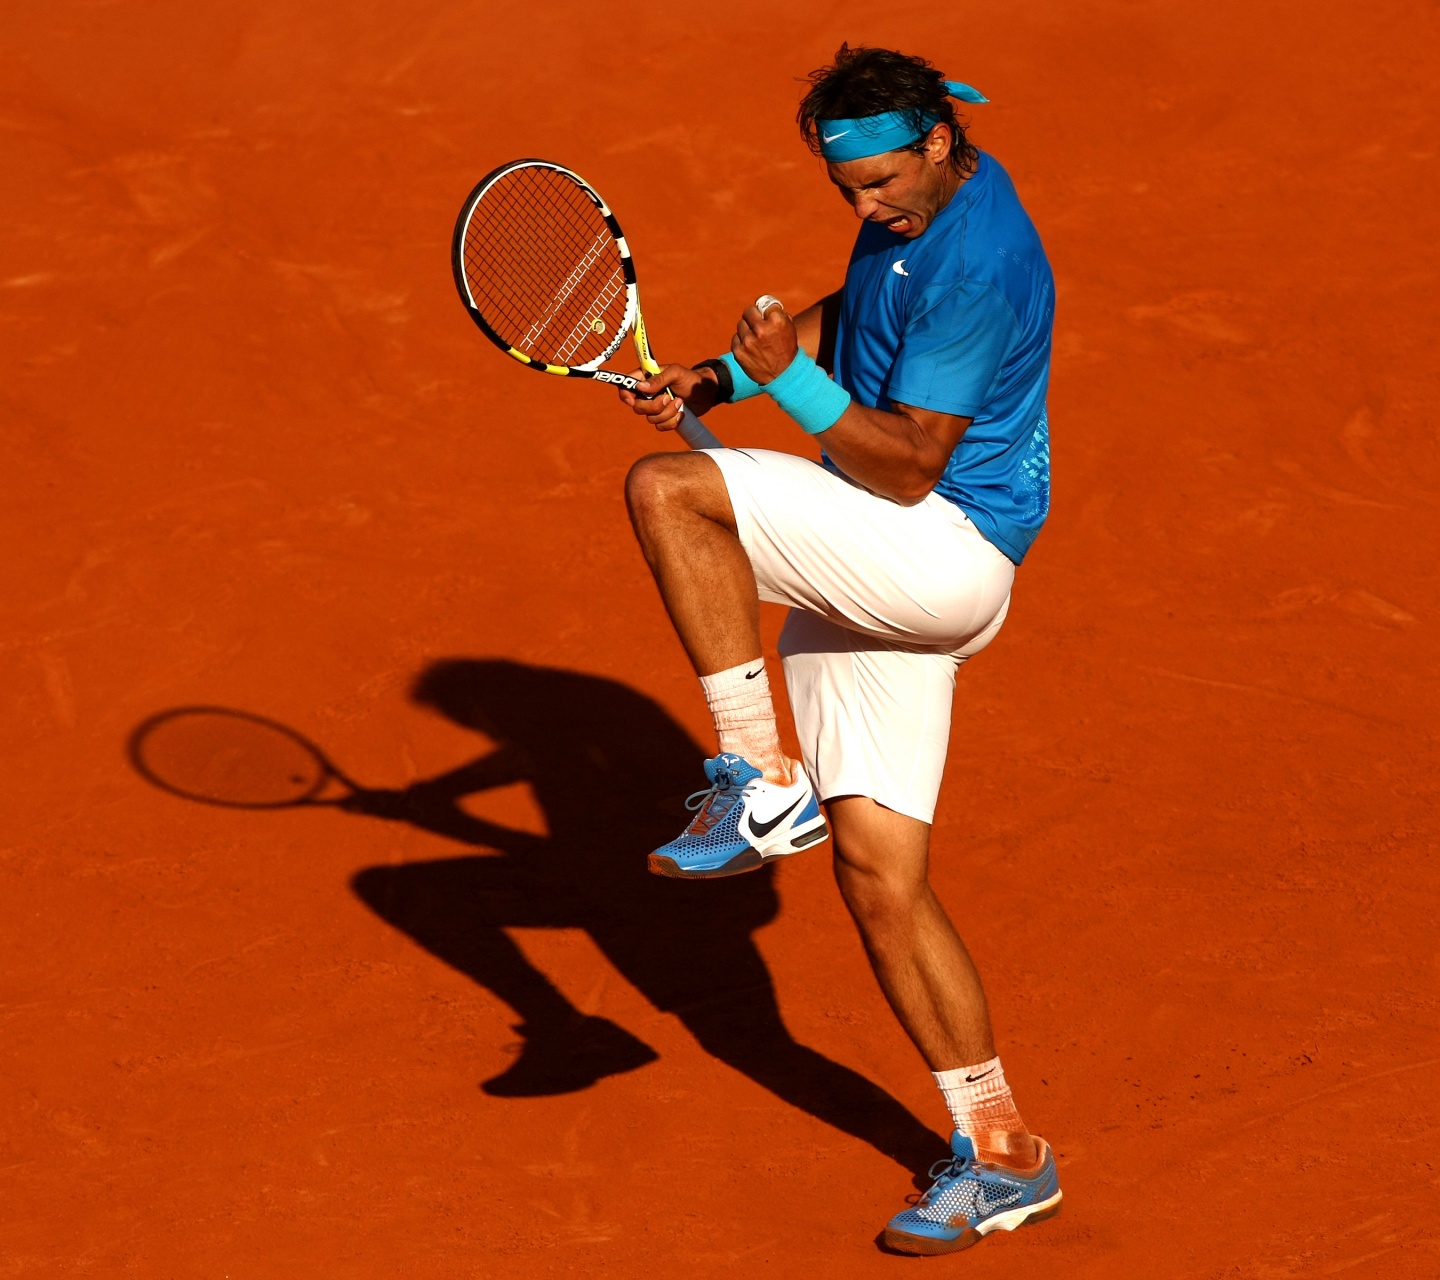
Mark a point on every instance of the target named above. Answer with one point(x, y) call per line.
point(680, 509)
point(760, 804)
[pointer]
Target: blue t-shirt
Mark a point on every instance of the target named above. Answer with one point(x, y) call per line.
point(959, 321)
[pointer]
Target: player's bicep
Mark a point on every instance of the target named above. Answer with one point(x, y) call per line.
point(942, 431)
point(815, 329)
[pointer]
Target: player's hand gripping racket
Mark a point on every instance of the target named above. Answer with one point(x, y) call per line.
point(543, 268)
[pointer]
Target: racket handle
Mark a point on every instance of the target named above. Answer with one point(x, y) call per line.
point(695, 433)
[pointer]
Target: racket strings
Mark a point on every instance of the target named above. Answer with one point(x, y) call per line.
point(573, 282)
point(544, 269)
point(550, 319)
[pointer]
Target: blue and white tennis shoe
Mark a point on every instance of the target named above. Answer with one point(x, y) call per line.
point(969, 1200)
point(741, 822)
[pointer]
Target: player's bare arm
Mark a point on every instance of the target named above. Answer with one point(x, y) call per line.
point(815, 329)
point(899, 454)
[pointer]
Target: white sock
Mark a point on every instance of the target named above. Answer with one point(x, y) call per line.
point(983, 1110)
point(739, 699)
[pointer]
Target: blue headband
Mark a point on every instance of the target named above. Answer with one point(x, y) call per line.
point(842, 140)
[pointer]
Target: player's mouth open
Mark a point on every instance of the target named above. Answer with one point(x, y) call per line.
point(900, 224)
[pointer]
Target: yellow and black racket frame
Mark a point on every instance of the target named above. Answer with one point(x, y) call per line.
point(690, 428)
point(632, 319)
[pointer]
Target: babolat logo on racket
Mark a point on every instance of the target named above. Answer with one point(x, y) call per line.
point(620, 379)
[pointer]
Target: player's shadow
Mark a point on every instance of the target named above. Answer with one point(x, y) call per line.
point(609, 769)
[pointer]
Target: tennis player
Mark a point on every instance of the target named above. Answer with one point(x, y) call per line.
point(924, 379)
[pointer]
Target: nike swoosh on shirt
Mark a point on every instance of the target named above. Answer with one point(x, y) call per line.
point(899, 268)
point(830, 137)
point(763, 829)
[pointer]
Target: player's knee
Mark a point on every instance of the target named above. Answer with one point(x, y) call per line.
point(662, 485)
point(653, 486)
point(881, 856)
point(877, 889)
point(880, 909)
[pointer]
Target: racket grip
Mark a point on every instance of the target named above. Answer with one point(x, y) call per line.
point(695, 433)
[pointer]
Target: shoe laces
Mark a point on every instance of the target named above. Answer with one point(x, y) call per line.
point(715, 801)
point(943, 1172)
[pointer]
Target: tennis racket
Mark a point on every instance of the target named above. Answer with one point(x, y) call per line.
point(543, 268)
point(237, 760)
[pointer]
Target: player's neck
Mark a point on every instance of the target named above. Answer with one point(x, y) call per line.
point(952, 180)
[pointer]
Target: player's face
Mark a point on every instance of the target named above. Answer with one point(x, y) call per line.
point(901, 190)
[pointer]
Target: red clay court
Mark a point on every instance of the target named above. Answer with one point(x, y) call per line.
point(256, 456)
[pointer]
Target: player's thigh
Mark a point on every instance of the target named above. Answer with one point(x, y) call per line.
point(920, 575)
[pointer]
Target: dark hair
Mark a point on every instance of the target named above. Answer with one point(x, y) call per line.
point(868, 82)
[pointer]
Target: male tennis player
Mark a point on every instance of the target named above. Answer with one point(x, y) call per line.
point(896, 556)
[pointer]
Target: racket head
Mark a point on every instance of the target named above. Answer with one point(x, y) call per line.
point(230, 758)
point(543, 268)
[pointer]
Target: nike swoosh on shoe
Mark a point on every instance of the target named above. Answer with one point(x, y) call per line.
point(987, 1206)
point(763, 829)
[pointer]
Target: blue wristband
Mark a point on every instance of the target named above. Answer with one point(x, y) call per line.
point(806, 393)
point(744, 385)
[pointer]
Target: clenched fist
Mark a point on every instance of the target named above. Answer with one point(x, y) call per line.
point(765, 341)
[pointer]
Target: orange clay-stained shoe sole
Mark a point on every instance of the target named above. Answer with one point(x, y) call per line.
point(920, 1246)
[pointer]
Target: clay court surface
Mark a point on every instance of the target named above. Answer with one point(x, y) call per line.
point(255, 456)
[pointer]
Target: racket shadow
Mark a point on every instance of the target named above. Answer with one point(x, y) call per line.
point(610, 769)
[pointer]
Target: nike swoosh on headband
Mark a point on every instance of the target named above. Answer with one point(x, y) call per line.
point(889, 131)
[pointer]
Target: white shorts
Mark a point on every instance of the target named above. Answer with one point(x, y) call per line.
point(887, 602)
